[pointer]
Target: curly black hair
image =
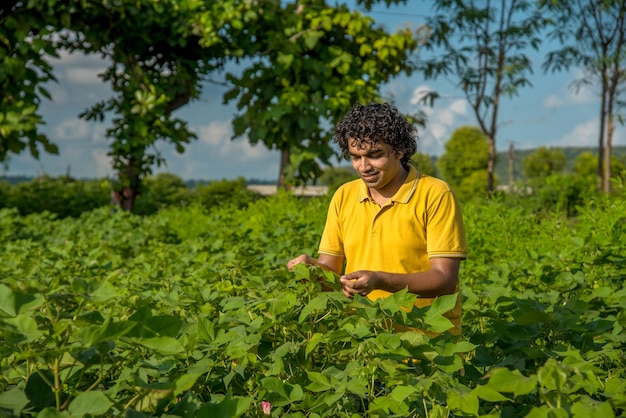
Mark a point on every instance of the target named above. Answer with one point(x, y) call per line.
point(375, 123)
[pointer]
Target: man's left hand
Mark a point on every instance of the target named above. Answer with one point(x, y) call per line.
point(359, 282)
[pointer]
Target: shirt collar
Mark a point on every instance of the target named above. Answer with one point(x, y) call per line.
point(403, 194)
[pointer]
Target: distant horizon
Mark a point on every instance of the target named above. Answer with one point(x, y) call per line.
point(621, 150)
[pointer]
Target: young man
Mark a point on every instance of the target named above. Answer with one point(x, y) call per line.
point(393, 228)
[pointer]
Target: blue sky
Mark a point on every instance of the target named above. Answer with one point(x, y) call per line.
point(549, 113)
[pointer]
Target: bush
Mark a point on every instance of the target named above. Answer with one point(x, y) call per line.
point(223, 192)
point(162, 190)
point(61, 196)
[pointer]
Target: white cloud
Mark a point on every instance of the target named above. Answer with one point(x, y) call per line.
point(442, 119)
point(83, 76)
point(584, 134)
point(217, 134)
point(569, 95)
point(77, 80)
point(67, 59)
point(71, 130)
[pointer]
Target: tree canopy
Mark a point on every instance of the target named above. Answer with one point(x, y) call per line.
point(305, 70)
point(308, 75)
point(544, 162)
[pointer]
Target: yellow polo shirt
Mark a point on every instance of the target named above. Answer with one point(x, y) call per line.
point(421, 221)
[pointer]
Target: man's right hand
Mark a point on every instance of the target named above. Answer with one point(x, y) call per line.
point(302, 258)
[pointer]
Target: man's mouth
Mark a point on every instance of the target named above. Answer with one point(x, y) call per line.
point(368, 176)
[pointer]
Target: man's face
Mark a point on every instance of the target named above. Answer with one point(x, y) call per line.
point(377, 165)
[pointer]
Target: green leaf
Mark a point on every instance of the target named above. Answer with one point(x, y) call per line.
point(589, 408)
point(185, 383)
point(13, 303)
point(489, 394)
point(319, 382)
point(53, 413)
point(440, 306)
point(110, 330)
point(552, 375)
point(206, 329)
point(467, 403)
point(165, 325)
point(318, 304)
point(105, 292)
point(26, 326)
point(228, 406)
point(281, 393)
point(400, 393)
point(545, 411)
point(90, 403)
point(13, 400)
point(285, 59)
point(313, 342)
point(311, 38)
point(164, 345)
point(505, 380)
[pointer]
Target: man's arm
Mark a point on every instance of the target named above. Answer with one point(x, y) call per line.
point(325, 261)
point(441, 279)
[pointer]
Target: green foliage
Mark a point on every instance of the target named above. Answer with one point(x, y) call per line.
point(425, 164)
point(333, 177)
point(464, 162)
point(164, 189)
point(61, 196)
point(563, 193)
point(65, 197)
point(544, 162)
point(465, 152)
point(306, 75)
point(472, 187)
point(223, 192)
point(23, 71)
point(586, 165)
point(193, 313)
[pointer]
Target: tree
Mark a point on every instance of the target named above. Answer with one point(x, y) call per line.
point(585, 165)
point(544, 162)
point(159, 53)
point(333, 177)
point(596, 31)
point(483, 47)
point(466, 151)
point(23, 71)
point(424, 163)
point(309, 73)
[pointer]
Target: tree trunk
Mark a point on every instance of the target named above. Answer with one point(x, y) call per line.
point(130, 182)
point(491, 164)
point(599, 169)
point(284, 162)
point(607, 154)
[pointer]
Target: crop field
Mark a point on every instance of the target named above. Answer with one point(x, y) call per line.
point(192, 313)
